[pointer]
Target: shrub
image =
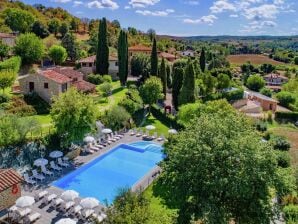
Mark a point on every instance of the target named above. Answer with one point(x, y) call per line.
point(288, 116)
point(291, 212)
point(107, 78)
point(269, 117)
point(106, 89)
point(116, 117)
point(19, 107)
point(285, 98)
point(13, 63)
point(40, 106)
point(233, 95)
point(4, 98)
point(267, 92)
point(280, 143)
point(283, 159)
point(255, 82)
point(261, 126)
point(95, 79)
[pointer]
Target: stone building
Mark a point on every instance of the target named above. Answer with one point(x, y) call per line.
point(51, 82)
point(10, 187)
point(88, 66)
point(8, 39)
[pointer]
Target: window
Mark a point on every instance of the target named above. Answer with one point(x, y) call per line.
point(90, 64)
point(75, 79)
point(116, 63)
point(84, 65)
point(64, 87)
point(46, 85)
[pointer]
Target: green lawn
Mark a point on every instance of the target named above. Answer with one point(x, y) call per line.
point(161, 213)
point(160, 127)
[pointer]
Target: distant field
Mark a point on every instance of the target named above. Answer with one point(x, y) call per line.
point(255, 59)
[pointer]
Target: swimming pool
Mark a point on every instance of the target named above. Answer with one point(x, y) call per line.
point(121, 167)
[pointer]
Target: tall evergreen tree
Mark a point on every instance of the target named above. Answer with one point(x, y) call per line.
point(123, 57)
point(203, 60)
point(178, 73)
point(69, 43)
point(163, 77)
point(154, 59)
point(102, 54)
point(187, 93)
point(169, 77)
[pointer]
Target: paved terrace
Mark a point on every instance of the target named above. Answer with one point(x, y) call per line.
point(50, 215)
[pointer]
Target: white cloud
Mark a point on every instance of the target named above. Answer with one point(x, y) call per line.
point(142, 3)
point(234, 16)
point(266, 11)
point(204, 19)
point(155, 13)
point(103, 4)
point(127, 7)
point(221, 6)
point(77, 3)
point(192, 2)
point(278, 2)
point(258, 27)
point(61, 1)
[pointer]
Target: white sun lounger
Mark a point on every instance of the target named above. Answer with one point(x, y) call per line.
point(115, 137)
point(99, 146)
point(146, 134)
point(118, 135)
point(37, 176)
point(32, 218)
point(24, 212)
point(65, 206)
point(40, 195)
point(139, 134)
point(28, 179)
point(161, 138)
point(54, 166)
point(45, 171)
point(76, 211)
point(154, 136)
point(48, 199)
point(61, 163)
point(132, 132)
point(56, 203)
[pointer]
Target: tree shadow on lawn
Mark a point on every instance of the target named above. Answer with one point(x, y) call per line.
point(160, 191)
point(117, 90)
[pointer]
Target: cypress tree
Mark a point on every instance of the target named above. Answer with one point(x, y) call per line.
point(154, 59)
point(102, 54)
point(177, 84)
point(163, 77)
point(187, 93)
point(169, 77)
point(123, 57)
point(203, 60)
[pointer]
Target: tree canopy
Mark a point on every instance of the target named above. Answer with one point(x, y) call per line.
point(73, 115)
point(123, 57)
point(19, 20)
point(154, 59)
point(58, 54)
point(255, 82)
point(102, 54)
point(218, 170)
point(29, 47)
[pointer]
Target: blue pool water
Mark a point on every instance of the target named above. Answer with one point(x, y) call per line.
point(121, 167)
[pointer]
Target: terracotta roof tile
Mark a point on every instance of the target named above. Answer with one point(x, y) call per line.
point(55, 76)
point(167, 55)
point(139, 48)
point(6, 35)
point(69, 72)
point(8, 178)
point(84, 86)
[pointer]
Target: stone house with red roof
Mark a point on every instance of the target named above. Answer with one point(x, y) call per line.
point(10, 187)
point(51, 82)
point(275, 81)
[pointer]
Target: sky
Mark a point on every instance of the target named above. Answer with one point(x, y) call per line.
point(191, 17)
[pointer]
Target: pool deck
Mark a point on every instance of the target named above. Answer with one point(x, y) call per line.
point(50, 215)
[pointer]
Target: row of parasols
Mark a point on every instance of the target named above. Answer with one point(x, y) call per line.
point(43, 162)
point(152, 127)
point(69, 195)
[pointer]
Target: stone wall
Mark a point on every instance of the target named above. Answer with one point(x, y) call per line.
point(7, 198)
point(53, 89)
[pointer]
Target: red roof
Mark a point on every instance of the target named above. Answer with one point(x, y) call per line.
point(84, 86)
point(55, 76)
point(8, 178)
point(69, 72)
point(6, 35)
point(139, 48)
point(92, 59)
point(167, 55)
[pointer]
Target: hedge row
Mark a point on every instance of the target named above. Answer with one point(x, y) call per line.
point(288, 116)
point(168, 120)
point(13, 63)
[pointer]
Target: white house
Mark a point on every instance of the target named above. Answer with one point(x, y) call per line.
point(188, 53)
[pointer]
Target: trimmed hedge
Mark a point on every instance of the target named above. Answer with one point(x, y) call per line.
point(288, 116)
point(168, 120)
